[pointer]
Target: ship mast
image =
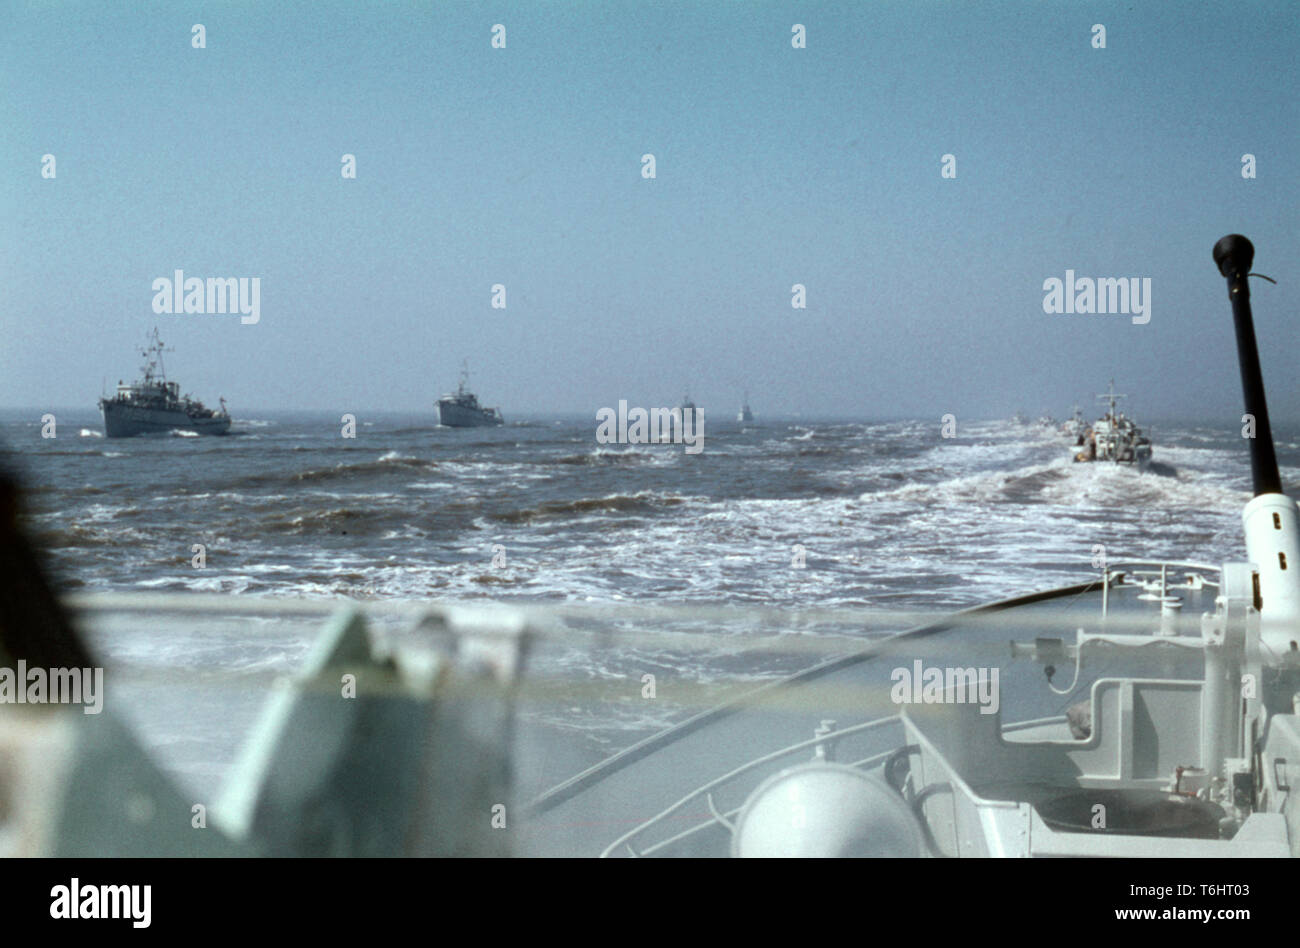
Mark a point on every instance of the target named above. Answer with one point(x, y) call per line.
point(153, 356)
point(1233, 256)
point(1271, 519)
point(1113, 397)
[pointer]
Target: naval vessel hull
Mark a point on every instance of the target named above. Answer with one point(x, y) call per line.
point(454, 416)
point(126, 421)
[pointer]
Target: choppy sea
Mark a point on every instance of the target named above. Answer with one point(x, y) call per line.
point(786, 514)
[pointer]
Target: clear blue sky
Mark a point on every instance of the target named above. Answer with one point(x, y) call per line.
point(521, 166)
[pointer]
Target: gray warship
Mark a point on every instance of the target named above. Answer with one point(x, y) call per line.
point(1075, 427)
point(687, 413)
point(1113, 437)
point(153, 405)
point(462, 410)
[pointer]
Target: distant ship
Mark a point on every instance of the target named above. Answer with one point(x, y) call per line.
point(1114, 437)
point(687, 413)
point(153, 405)
point(1075, 426)
point(462, 409)
point(745, 417)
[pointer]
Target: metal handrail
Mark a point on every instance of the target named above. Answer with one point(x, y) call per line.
point(1033, 722)
point(1176, 564)
point(1158, 568)
point(839, 733)
point(863, 764)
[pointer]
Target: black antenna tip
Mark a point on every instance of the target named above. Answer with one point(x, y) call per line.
point(1234, 252)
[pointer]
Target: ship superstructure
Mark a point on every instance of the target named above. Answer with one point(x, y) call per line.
point(1075, 426)
point(461, 409)
point(153, 405)
point(1113, 437)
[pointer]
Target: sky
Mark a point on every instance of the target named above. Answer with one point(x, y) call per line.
point(774, 166)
